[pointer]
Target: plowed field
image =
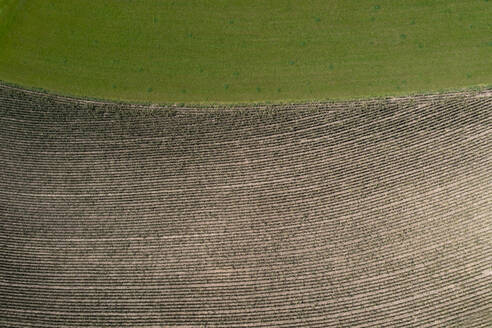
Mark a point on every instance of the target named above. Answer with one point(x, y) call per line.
point(350, 214)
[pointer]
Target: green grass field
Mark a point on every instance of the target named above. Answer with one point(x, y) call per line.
point(203, 51)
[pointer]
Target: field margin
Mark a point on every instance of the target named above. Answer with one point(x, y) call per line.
point(241, 105)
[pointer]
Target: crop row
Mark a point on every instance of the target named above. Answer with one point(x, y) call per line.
point(368, 213)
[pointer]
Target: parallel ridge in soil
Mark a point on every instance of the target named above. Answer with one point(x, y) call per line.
point(373, 214)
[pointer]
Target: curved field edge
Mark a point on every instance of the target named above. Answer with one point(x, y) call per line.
point(483, 88)
point(345, 216)
point(212, 51)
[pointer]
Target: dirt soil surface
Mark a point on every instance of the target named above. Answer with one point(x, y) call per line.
point(351, 214)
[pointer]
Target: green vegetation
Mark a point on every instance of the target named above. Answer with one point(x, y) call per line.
point(202, 51)
point(7, 13)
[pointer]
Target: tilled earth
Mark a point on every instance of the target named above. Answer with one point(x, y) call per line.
point(370, 213)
